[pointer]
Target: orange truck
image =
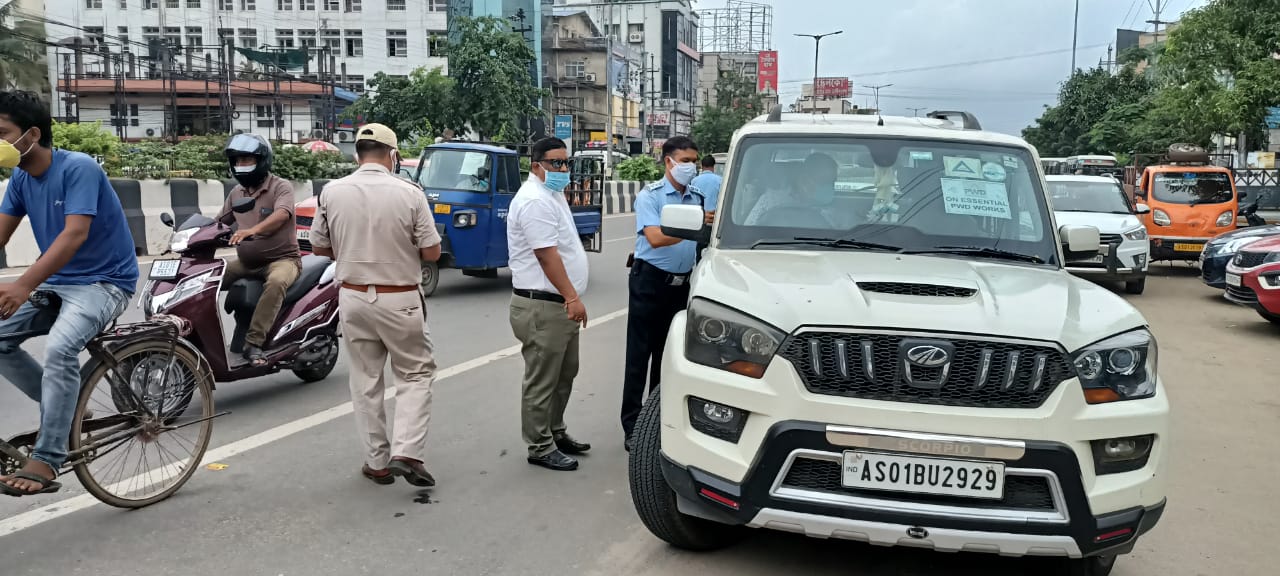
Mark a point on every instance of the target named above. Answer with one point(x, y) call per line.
point(1190, 201)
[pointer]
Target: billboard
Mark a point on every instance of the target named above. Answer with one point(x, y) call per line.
point(767, 71)
point(833, 88)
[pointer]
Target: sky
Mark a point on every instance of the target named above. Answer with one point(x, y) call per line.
point(1025, 46)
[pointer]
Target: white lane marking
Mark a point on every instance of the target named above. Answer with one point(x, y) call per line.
point(627, 239)
point(62, 508)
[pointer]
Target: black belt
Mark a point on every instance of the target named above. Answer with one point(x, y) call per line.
point(539, 295)
point(668, 278)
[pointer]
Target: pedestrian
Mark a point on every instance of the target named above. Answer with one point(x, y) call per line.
point(379, 229)
point(659, 279)
point(708, 183)
point(548, 276)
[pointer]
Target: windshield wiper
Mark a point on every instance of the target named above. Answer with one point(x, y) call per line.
point(829, 243)
point(978, 251)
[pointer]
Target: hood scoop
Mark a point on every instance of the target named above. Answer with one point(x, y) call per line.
point(914, 289)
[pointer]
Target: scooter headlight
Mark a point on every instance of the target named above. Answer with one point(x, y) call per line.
point(159, 303)
point(178, 242)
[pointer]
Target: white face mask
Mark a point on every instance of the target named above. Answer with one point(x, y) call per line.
point(683, 172)
point(246, 169)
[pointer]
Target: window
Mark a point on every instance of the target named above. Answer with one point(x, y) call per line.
point(151, 4)
point(93, 4)
point(437, 43)
point(122, 33)
point(124, 116)
point(508, 174)
point(332, 40)
point(307, 39)
point(1086, 196)
point(173, 35)
point(124, 4)
point(332, 5)
point(95, 35)
point(397, 44)
point(248, 5)
point(195, 36)
point(307, 5)
point(150, 34)
point(395, 6)
point(226, 5)
point(193, 3)
point(1192, 187)
point(268, 116)
point(355, 44)
point(455, 170)
point(248, 38)
point(284, 5)
point(355, 83)
point(575, 69)
point(284, 38)
point(226, 36)
point(170, 3)
point(438, 5)
point(354, 6)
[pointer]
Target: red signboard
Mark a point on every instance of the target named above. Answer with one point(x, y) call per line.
point(833, 88)
point(767, 72)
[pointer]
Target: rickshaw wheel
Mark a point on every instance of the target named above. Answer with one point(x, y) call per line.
point(430, 277)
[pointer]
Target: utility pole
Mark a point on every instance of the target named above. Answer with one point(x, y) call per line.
point(1075, 34)
point(876, 90)
point(1157, 7)
point(916, 111)
point(817, 41)
point(608, 91)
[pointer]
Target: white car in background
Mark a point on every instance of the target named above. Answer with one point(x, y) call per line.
point(1099, 201)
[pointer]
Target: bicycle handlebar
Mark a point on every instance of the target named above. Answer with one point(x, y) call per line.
point(44, 299)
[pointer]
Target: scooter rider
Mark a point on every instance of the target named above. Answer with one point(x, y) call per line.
point(265, 240)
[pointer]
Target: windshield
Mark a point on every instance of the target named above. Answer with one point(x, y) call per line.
point(909, 195)
point(456, 170)
point(1192, 188)
point(1069, 196)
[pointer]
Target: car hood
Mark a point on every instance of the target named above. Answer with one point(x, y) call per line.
point(791, 289)
point(1249, 232)
point(1105, 222)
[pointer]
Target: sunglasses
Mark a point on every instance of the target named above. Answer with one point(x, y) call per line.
point(557, 164)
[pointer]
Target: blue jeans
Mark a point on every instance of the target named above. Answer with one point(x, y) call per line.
point(86, 311)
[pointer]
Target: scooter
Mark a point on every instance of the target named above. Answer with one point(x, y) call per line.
point(1250, 213)
point(304, 337)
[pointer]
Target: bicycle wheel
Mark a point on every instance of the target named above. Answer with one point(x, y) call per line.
point(166, 446)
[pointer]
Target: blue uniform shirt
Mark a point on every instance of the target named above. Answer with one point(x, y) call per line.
point(74, 184)
point(677, 259)
point(708, 184)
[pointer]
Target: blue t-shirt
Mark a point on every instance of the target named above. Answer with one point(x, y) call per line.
point(74, 184)
point(708, 184)
point(674, 259)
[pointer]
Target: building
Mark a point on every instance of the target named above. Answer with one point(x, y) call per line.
point(280, 68)
point(665, 32)
point(737, 38)
point(1126, 39)
point(744, 64)
point(805, 103)
point(578, 75)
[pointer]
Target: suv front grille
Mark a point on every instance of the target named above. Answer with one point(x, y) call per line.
point(1250, 259)
point(910, 289)
point(976, 373)
point(1024, 493)
point(1110, 239)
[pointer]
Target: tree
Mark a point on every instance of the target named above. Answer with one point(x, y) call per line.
point(22, 54)
point(89, 137)
point(737, 102)
point(415, 107)
point(490, 65)
point(1095, 114)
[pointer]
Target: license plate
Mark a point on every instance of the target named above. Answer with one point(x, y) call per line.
point(304, 234)
point(1188, 247)
point(1233, 279)
point(936, 476)
point(164, 269)
point(443, 208)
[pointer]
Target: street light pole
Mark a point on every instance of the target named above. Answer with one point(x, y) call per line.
point(817, 41)
point(1075, 33)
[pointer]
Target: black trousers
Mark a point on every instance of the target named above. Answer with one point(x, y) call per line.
point(652, 304)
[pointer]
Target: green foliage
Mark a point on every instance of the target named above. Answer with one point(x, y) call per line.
point(22, 55)
point(737, 102)
point(90, 138)
point(294, 163)
point(415, 107)
point(638, 169)
point(1089, 99)
point(491, 64)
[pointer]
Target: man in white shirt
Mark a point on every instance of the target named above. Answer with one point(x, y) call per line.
point(549, 275)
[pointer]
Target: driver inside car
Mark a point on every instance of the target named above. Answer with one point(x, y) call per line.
point(265, 239)
point(810, 186)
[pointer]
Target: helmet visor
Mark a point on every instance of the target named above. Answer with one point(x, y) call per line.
point(246, 144)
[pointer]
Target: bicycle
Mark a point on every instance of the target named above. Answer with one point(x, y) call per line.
point(152, 378)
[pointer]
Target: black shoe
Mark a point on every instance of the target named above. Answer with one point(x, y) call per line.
point(568, 445)
point(556, 460)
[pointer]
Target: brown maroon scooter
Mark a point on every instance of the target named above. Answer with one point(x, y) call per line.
point(304, 337)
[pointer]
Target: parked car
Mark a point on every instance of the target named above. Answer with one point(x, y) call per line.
point(1253, 278)
point(1219, 251)
point(1100, 201)
point(907, 366)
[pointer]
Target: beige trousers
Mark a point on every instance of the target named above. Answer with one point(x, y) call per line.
point(549, 344)
point(378, 327)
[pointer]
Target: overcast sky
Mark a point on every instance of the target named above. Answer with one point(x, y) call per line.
point(884, 39)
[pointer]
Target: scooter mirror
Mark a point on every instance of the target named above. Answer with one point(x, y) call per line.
point(166, 219)
point(243, 205)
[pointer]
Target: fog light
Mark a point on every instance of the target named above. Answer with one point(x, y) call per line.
point(717, 420)
point(1140, 260)
point(1117, 455)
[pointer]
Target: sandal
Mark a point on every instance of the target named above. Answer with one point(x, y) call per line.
point(381, 477)
point(255, 356)
point(413, 471)
point(47, 485)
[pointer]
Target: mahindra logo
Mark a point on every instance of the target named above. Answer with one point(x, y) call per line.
point(928, 356)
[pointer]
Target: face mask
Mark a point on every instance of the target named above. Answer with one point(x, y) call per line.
point(246, 169)
point(557, 181)
point(684, 172)
point(10, 157)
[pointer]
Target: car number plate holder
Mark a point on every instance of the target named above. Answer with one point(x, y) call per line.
point(1180, 247)
point(164, 269)
point(1233, 280)
point(923, 475)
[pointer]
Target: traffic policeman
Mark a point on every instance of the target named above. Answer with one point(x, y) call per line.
point(659, 279)
point(380, 229)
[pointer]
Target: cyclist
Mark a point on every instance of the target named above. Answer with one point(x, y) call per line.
point(87, 259)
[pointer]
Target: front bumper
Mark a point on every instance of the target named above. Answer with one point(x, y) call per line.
point(784, 491)
point(1252, 292)
point(1178, 249)
point(1213, 269)
point(1115, 261)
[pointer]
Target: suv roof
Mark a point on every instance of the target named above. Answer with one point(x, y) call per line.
point(869, 125)
point(1080, 178)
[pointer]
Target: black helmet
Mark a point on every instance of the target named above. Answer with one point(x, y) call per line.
point(250, 145)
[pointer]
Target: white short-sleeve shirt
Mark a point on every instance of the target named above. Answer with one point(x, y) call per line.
point(541, 218)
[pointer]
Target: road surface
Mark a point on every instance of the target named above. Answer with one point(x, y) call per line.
point(291, 500)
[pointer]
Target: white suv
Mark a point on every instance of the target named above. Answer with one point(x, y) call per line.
point(882, 344)
point(1099, 201)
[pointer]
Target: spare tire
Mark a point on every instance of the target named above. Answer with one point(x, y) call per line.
point(1188, 153)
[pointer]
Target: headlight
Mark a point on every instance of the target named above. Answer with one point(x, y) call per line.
point(185, 289)
point(1161, 218)
point(178, 242)
point(724, 338)
point(1118, 368)
point(465, 219)
point(1226, 218)
point(1136, 234)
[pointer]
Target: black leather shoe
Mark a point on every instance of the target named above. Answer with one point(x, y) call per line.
point(568, 445)
point(556, 460)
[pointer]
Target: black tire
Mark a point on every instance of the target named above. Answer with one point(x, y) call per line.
point(655, 501)
point(318, 372)
point(1135, 286)
point(1092, 566)
point(430, 278)
point(203, 386)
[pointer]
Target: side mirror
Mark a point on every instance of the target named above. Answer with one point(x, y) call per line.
point(405, 172)
point(1141, 209)
point(166, 219)
point(1080, 241)
point(243, 205)
point(683, 221)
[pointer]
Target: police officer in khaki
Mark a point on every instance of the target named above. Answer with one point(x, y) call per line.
point(379, 229)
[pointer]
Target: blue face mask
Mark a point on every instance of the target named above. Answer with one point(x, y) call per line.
point(557, 181)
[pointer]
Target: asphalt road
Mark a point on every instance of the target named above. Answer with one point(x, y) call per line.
point(291, 500)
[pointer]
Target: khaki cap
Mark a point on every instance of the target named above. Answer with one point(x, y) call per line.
point(378, 133)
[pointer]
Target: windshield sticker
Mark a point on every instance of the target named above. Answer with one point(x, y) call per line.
point(925, 156)
point(958, 167)
point(976, 198)
point(994, 172)
point(1011, 162)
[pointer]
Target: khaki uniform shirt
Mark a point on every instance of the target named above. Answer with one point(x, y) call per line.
point(275, 193)
point(376, 224)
